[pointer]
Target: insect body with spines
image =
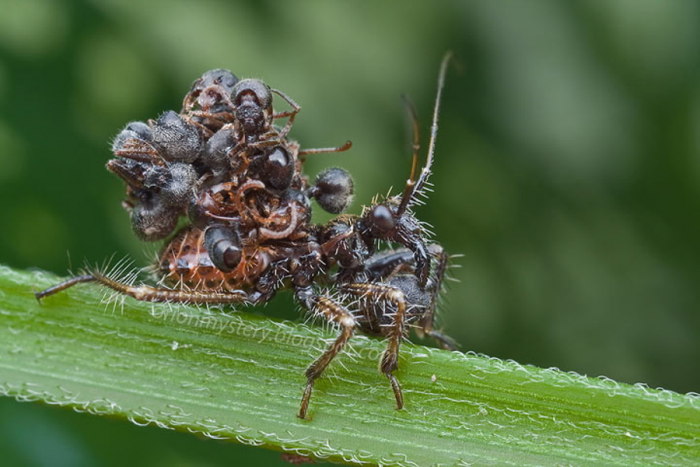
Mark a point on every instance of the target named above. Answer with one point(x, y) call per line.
point(250, 231)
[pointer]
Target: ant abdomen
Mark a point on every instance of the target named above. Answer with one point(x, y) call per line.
point(213, 87)
point(186, 261)
point(223, 247)
point(176, 139)
point(333, 190)
point(216, 152)
point(132, 131)
point(177, 191)
point(274, 167)
point(152, 219)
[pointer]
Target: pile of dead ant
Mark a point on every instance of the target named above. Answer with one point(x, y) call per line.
point(223, 164)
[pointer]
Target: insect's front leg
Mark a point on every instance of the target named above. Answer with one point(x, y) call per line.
point(325, 307)
point(385, 265)
point(373, 295)
point(433, 287)
point(291, 114)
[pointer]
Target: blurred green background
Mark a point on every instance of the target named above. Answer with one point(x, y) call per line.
point(567, 169)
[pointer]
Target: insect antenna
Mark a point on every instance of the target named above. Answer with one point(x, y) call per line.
point(411, 183)
point(414, 187)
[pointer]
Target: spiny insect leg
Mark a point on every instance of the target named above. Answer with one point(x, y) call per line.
point(63, 286)
point(332, 312)
point(434, 285)
point(150, 294)
point(372, 294)
point(385, 264)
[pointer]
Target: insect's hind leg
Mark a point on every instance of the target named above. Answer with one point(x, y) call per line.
point(331, 312)
point(383, 266)
point(150, 294)
point(63, 286)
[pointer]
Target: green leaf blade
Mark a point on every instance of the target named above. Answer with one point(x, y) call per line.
point(240, 377)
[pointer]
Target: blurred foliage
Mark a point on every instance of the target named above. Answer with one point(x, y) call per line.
point(567, 170)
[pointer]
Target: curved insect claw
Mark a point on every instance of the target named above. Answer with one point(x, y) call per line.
point(305, 400)
point(397, 390)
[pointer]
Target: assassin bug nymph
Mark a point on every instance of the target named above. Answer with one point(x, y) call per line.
point(335, 270)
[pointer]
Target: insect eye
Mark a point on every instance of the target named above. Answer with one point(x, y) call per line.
point(382, 218)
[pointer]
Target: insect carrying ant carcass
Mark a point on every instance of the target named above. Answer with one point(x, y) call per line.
point(223, 164)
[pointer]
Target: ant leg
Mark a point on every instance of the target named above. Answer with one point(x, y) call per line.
point(223, 116)
point(63, 286)
point(344, 147)
point(206, 131)
point(445, 341)
point(334, 313)
point(387, 263)
point(139, 151)
point(212, 118)
point(265, 143)
point(372, 294)
point(283, 114)
point(291, 114)
point(266, 234)
point(150, 294)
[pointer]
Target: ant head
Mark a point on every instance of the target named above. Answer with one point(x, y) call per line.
point(157, 190)
point(382, 219)
point(217, 77)
point(385, 221)
point(252, 100)
point(247, 90)
point(213, 87)
point(151, 218)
